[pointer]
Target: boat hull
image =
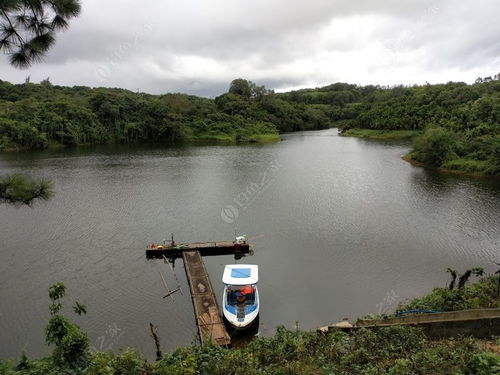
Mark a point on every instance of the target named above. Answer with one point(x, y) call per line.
point(253, 326)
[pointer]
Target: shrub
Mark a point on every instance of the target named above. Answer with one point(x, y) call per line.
point(481, 294)
point(485, 364)
point(435, 147)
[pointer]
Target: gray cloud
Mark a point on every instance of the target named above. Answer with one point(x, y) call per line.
point(199, 47)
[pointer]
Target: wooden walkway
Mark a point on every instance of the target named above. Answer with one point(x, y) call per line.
point(208, 318)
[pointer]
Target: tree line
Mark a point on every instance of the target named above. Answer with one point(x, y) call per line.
point(457, 123)
point(36, 115)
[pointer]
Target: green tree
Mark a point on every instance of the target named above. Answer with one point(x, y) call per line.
point(241, 87)
point(435, 147)
point(231, 103)
point(71, 344)
point(28, 27)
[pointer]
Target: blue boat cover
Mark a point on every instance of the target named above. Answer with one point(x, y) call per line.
point(248, 309)
point(240, 273)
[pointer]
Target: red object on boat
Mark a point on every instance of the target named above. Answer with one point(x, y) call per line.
point(246, 290)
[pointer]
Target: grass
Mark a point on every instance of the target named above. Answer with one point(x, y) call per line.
point(461, 166)
point(381, 134)
point(232, 139)
point(264, 138)
point(468, 166)
point(216, 138)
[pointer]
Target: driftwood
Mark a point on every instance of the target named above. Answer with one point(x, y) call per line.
point(171, 292)
point(156, 337)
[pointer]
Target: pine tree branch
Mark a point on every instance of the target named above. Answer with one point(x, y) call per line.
point(21, 40)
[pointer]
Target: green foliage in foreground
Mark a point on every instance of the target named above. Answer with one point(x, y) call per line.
point(391, 351)
point(29, 27)
point(395, 350)
point(23, 190)
point(482, 294)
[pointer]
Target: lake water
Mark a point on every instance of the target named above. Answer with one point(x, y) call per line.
point(342, 227)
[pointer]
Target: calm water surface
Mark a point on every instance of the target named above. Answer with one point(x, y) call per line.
point(342, 227)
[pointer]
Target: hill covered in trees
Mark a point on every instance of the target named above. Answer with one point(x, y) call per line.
point(36, 115)
point(457, 126)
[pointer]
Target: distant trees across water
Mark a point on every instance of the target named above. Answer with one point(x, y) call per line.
point(35, 115)
point(459, 123)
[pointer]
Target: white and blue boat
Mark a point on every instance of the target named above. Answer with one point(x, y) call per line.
point(241, 297)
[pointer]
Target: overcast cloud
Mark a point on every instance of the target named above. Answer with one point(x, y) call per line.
point(198, 47)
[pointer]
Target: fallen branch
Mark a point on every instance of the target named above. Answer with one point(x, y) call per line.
point(156, 337)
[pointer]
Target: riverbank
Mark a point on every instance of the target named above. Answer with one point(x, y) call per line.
point(381, 134)
point(233, 139)
point(389, 350)
point(194, 140)
point(459, 167)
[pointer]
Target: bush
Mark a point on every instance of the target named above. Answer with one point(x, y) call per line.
point(468, 165)
point(485, 364)
point(435, 147)
point(481, 294)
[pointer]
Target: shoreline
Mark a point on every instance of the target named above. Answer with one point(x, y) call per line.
point(407, 135)
point(381, 134)
point(221, 139)
point(456, 172)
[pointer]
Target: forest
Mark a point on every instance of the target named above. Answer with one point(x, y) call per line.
point(38, 115)
point(455, 126)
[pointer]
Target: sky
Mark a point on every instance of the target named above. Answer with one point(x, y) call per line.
point(198, 46)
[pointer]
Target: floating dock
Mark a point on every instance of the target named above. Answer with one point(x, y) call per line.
point(204, 248)
point(208, 317)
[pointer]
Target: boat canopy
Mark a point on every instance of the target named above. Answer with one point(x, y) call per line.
point(240, 274)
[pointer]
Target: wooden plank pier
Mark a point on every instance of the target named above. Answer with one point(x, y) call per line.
point(208, 317)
